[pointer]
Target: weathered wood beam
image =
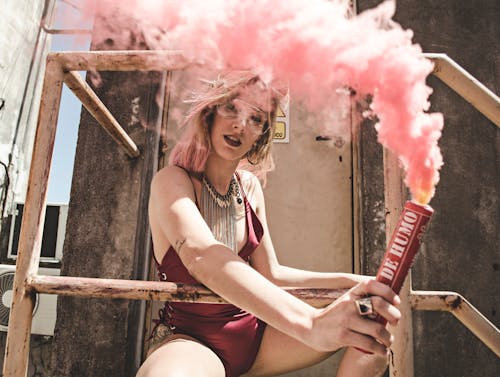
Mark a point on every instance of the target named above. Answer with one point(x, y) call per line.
point(466, 86)
point(100, 112)
point(30, 239)
point(395, 194)
point(155, 290)
point(463, 310)
point(122, 60)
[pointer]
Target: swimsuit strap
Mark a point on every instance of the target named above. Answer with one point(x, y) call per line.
point(253, 225)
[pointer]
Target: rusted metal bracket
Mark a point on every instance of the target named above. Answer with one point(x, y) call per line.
point(463, 310)
point(466, 85)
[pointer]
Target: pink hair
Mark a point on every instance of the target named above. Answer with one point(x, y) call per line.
point(192, 150)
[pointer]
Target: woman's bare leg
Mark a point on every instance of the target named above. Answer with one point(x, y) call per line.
point(182, 356)
point(355, 363)
point(279, 353)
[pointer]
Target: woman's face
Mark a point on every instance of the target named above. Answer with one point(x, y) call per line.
point(239, 123)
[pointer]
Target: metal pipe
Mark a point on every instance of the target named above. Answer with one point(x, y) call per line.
point(156, 290)
point(100, 112)
point(463, 310)
point(394, 195)
point(30, 239)
point(467, 86)
point(48, 28)
point(130, 60)
point(66, 31)
point(136, 322)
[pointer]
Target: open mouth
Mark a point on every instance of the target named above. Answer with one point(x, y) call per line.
point(232, 141)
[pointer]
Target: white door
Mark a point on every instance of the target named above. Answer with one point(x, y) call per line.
point(309, 206)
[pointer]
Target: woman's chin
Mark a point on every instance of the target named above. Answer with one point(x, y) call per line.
point(231, 155)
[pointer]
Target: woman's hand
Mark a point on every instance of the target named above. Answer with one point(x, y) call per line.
point(340, 325)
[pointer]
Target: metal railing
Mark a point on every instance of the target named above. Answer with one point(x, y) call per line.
point(60, 67)
point(467, 86)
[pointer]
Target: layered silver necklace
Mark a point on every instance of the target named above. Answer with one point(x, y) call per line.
point(219, 211)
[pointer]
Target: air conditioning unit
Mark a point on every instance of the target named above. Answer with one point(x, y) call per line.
point(54, 230)
point(44, 314)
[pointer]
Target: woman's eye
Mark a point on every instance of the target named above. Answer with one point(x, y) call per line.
point(230, 107)
point(257, 119)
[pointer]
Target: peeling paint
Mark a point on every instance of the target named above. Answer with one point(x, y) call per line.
point(457, 302)
point(134, 112)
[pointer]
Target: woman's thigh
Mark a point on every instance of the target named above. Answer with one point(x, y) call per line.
point(181, 356)
point(280, 353)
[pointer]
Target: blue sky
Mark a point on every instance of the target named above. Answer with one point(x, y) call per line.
point(67, 17)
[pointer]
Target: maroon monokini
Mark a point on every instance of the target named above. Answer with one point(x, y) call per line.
point(233, 334)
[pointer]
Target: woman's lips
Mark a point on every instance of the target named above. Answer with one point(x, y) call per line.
point(232, 141)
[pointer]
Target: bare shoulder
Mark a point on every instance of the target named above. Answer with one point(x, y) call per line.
point(249, 180)
point(172, 180)
point(252, 187)
point(170, 174)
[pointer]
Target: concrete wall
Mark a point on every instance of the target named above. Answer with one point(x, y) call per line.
point(461, 246)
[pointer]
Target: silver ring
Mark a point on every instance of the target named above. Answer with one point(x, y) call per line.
point(364, 306)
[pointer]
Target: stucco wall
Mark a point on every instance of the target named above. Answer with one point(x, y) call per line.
point(461, 246)
point(22, 50)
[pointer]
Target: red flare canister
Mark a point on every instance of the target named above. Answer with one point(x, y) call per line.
point(403, 246)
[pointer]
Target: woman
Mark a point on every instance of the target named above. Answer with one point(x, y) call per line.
point(223, 242)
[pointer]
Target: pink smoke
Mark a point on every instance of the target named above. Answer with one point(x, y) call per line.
point(317, 48)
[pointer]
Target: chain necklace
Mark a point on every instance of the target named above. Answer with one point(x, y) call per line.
point(223, 201)
point(219, 211)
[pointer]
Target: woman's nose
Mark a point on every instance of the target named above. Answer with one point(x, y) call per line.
point(240, 122)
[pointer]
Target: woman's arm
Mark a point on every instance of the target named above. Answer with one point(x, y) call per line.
point(174, 213)
point(213, 264)
point(265, 261)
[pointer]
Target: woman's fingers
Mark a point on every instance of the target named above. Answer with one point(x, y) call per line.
point(386, 310)
point(376, 288)
point(373, 329)
point(383, 299)
point(350, 323)
point(365, 343)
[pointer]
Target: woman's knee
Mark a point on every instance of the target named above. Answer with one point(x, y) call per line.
point(164, 370)
point(279, 353)
point(182, 358)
